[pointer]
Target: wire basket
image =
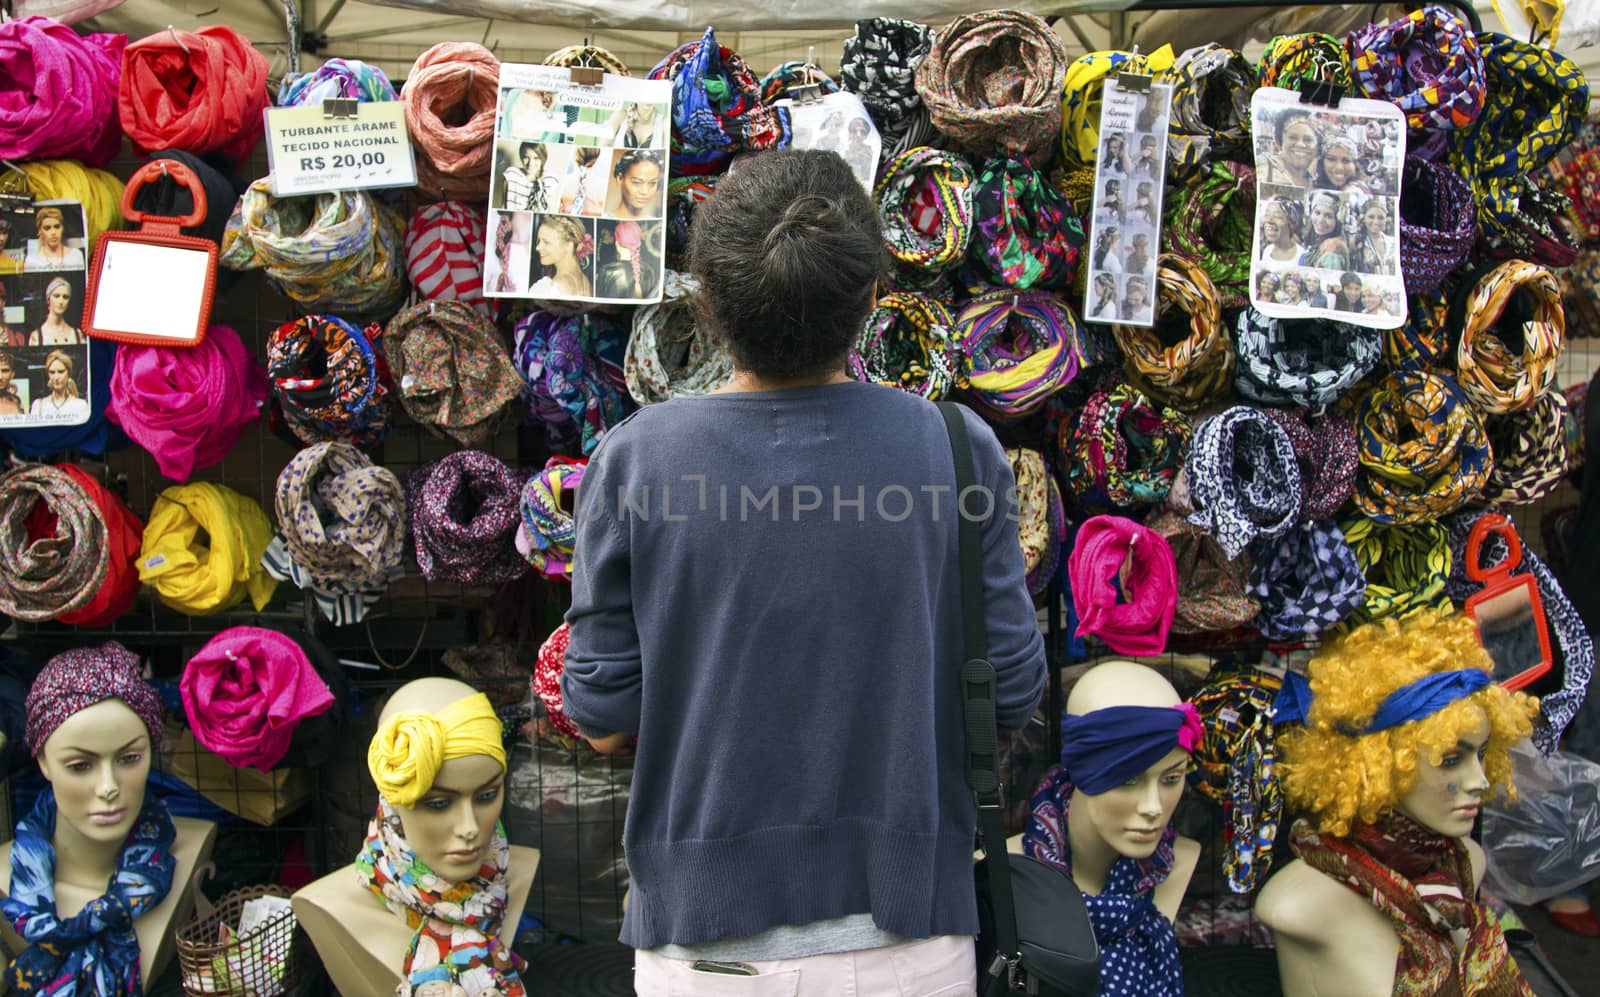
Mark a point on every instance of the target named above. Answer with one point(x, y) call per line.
point(263, 963)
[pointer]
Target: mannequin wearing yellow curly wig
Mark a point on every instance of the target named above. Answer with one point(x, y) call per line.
point(1403, 740)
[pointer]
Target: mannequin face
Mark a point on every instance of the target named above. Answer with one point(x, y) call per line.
point(450, 828)
point(1447, 796)
point(97, 763)
point(1132, 817)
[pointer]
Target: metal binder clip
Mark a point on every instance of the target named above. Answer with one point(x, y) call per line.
point(1135, 82)
point(809, 92)
point(340, 107)
point(1321, 92)
point(586, 73)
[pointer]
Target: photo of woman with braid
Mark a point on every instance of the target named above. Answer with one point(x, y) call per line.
point(1136, 300)
point(63, 400)
point(637, 182)
point(506, 268)
point(583, 190)
point(1108, 250)
point(564, 251)
point(57, 328)
point(1103, 306)
point(526, 179)
point(630, 254)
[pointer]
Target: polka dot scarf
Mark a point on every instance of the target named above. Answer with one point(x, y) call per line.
point(1243, 478)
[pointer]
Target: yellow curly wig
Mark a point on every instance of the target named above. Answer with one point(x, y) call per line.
point(1335, 778)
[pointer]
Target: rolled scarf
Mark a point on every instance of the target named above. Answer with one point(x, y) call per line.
point(56, 545)
point(1211, 89)
point(879, 64)
point(341, 529)
point(572, 369)
point(1406, 567)
point(1235, 767)
point(337, 79)
point(1429, 64)
point(452, 369)
point(1210, 223)
point(450, 96)
point(1139, 622)
point(464, 515)
point(1082, 88)
point(247, 691)
point(1025, 234)
point(1243, 478)
point(1197, 368)
point(547, 671)
point(1305, 362)
point(1438, 224)
point(1425, 340)
point(587, 55)
point(975, 94)
point(98, 191)
point(329, 380)
point(93, 437)
point(405, 754)
point(202, 579)
point(669, 355)
point(1494, 375)
point(1041, 519)
point(1310, 57)
point(781, 82)
point(339, 251)
point(547, 532)
point(456, 943)
point(1325, 448)
point(123, 531)
point(1212, 594)
point(1530, 452)
point(716, 107)
point(908, 342)
point(59, 97)
point(1019, 349)
point(200, 91)
point(187, 405)
point(683, 194)
point(444, 253)
point(926, 199)
point(1423, 449)
point(1106, 748)
point(1125, 446)
point(1308, 580)
point(75, 680)
point(169, 198)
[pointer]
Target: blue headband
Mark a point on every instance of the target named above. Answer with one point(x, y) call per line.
point(1104, 749)
point(1414, 701)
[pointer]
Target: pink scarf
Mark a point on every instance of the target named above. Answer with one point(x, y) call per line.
point(67, 108)
point(1140, 623)
point(246, 691)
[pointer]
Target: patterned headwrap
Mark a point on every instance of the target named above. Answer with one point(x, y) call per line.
point(452, 369)
point(1041, 519)
point(785, 77)
point(552, 661)
point(547, 532)
point(1124, 446)
point(683, 194)
point(1530, 452)
point(1243, 478)
point(444, 253)
point(1025, 234)
point(1308, 362)
point(1138, 622)
point(1406, 567)
point(1325, 447)
point(572, 369)
point(669, 355)
point(330, 381)
point(587, 55)
point(48, 572)
point(1423, 449)
point(1211, 222)
point(879, 65)
point(1311, 57)
point(1424, 341)
point(991, 82)
point(1308, 580)
point(1235, 767)
point(1198, 368)
point(75, 680)
point(1211, 587)
point(1211, 88)
point(1018, 349)
point(906, 344)
point(926, 199)
point(1493, 376)
point(1429, 65)
point(1438, 224)
point(716, 107)
point(470, 543)
point(1081, 90)
point(336, 78)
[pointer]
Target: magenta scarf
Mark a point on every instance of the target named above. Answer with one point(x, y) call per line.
point(187, 405)
point(58, 98)
point(1139, 624)
point(246, 691)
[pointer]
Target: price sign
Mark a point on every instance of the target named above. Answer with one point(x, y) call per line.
point(339, 146)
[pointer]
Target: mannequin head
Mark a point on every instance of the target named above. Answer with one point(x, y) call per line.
point(438, 762)
point(1435, 769)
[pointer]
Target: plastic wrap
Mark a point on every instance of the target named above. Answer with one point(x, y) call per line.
point(1548, 841)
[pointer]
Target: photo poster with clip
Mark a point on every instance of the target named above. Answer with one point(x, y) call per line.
point(838, 122)
point(578, 195)
point(1326, 241)
point(1125, 214)
point(44, 353)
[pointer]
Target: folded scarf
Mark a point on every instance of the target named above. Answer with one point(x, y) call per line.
point(450, 96)
point(1425, 339)
point(347, 79)
point(409, 748)
point(906, 343)
point(1125, 446)
point(669, 355)
point(975, 94)
point(200, 91)
point(340, 251)
point(1211, 587)
point(547, 532)
point(1530, 452)
point(683, 194)
point(1427, 63)
point(330, 381)
point(463, 512)
point(586, 55)
point(187, 405)
point(926, 199)
point(1308, 580)
point(203, 580)
point(1041, 520)
point(879, 64)
point(1305, 362)
point(1210, 222)
point(444, 253)
point(1423, 449)
point(1019, 349)
point(1495, 375)
point(1107, 748)
point(456, 943)
point(451, 365)
point(1438, 224)
point(572, 369)
point(59, 98)
point(75, 680)
point(1025, 234)
point(1199, 367)
point(1405, 565)
point(1211, 89)
point(1140, 621)
point(1235, 767)
point(1243, 478)
point(95, 951)
point(1310, 57)
point(547, 681)
point(716, 107)
point(49, 569)
point(246, 691)
point(1325, 448)
point(123, 531)
point(1082, 88)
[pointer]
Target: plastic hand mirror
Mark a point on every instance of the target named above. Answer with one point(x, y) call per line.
point(1508, 610)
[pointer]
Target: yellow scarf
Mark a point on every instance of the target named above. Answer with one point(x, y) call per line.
point(202, 580)
point(405, 754)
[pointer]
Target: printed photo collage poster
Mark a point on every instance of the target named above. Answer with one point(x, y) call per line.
point(1327, 227)
point(44, 354)
point(1125, 219)
point(578, 199)
point(838, 122)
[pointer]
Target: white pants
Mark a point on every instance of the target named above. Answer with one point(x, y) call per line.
point(945, 966)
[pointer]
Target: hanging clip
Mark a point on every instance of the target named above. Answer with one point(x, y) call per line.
point(586, 73)
point(340, 107)
point(1321, 92)
point(809, 92)
point(1135, 82)
point(179, 39)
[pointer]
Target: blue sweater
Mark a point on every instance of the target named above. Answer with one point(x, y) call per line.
point(766, 592)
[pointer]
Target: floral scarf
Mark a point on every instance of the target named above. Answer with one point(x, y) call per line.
point(457, 924)
point(1450, 945)
point(94, 953)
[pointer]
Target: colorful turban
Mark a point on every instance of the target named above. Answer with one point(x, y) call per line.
point(926, 199)
point(1429, 65)
point(1211, 90)
point(444, 253)
point(991, 82)
point(879, 65)
point(1211, 587)
point(573, 371)
point(906, 344)
point(246, 692)
point(330, 381)
point(407, 751)
point(1530, 451)
point(1325, 447)
point(452, 369)
point(1406, 567)
point(463, 513)
point(1211, 222)
point(547, 532)
point(1423, 449)
point(716, 107)
point(1018, 349)
point(75, 680)
point(1494, 375)
point(1242, 477)
point(1138, 622)
point(1025, 234)
point(669, 355)
point(1198, 368)
point(1124, 446)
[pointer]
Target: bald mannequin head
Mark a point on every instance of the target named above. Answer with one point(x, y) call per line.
point(1120, 683)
